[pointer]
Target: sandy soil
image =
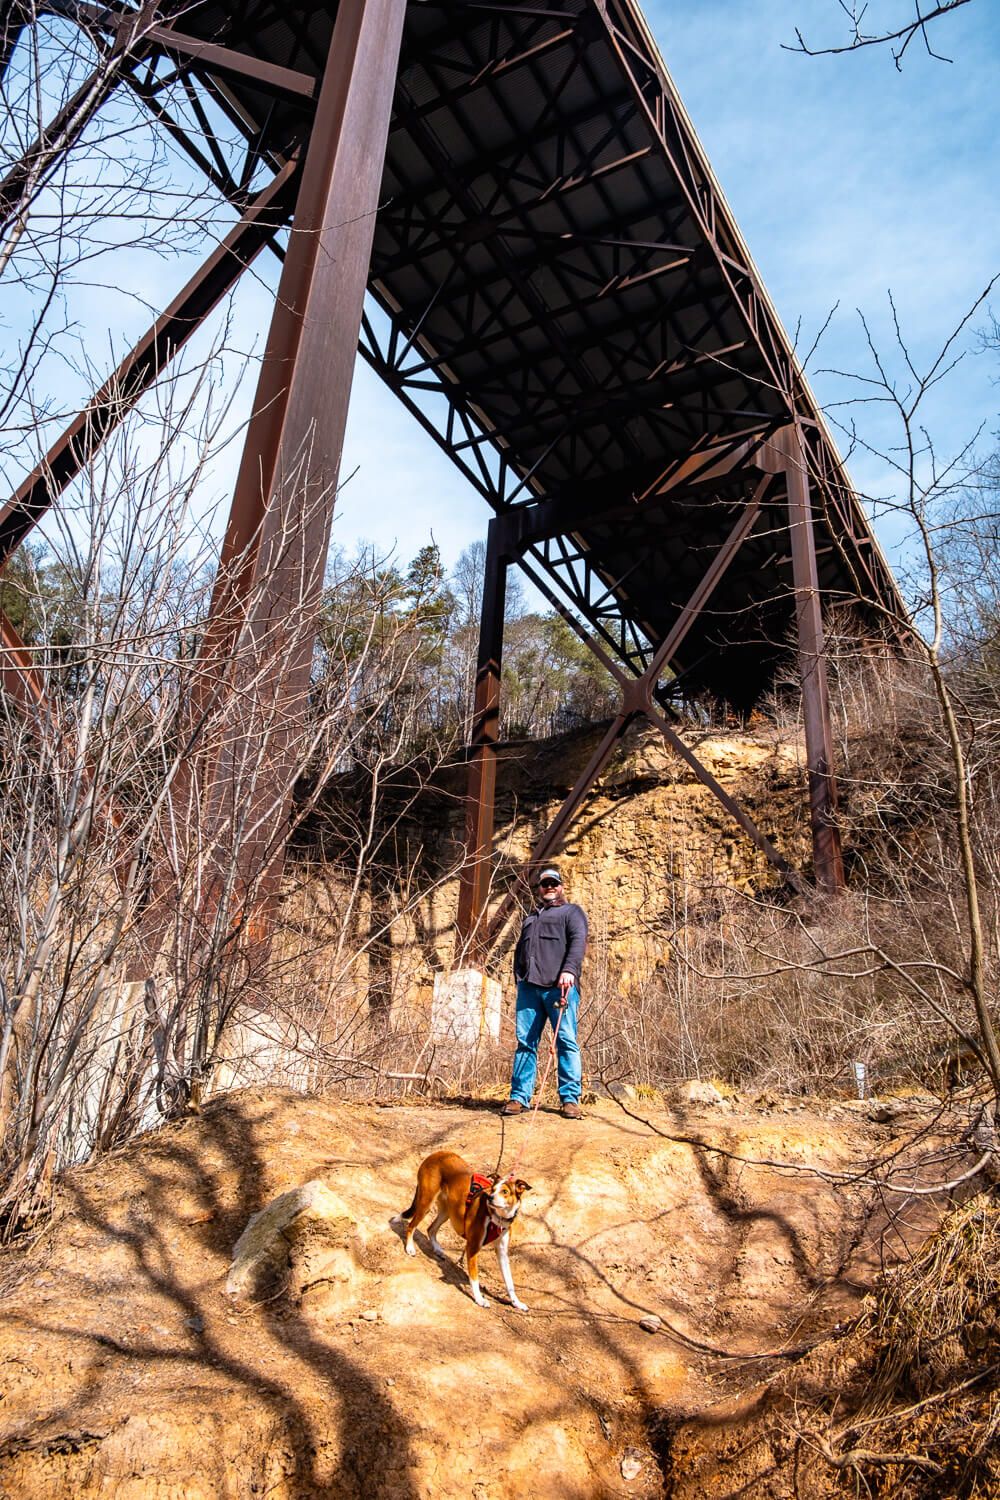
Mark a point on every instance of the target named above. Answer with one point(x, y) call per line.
point(126, 1370)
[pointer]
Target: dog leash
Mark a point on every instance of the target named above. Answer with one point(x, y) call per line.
point(508, 1176)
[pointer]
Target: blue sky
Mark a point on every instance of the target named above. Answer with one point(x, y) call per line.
point(850, 178)
point(847, 178)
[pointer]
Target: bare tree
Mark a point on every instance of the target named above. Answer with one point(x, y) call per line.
point(148, 807)
point(929, 488)
point(897, 38)
point(911, 954)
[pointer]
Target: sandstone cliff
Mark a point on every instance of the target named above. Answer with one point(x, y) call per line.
point(649, 848)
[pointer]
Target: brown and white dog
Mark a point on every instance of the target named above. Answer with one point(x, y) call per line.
point(479, 1212)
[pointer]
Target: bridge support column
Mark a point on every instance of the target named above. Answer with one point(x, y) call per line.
point(254, 662)
point(828, 861)
point(518, 530)
point(474, 888)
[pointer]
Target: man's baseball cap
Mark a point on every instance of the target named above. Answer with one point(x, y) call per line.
point(551, 873)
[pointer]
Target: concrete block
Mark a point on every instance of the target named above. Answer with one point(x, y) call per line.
point(465, 1008)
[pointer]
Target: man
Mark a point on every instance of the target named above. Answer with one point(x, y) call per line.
point(547, 965)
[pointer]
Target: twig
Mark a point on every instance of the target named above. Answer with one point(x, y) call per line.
point(904, 34)
point(854, 1457)
point(941, 1187)
point(953, 1390)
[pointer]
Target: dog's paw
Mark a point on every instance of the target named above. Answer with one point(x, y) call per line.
point(482, 1301)
point(521, 1306)
point(410, 1249)
point(439, 1250)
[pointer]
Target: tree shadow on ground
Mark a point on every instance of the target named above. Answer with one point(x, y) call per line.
point(161, 1217)
point(223, 1181)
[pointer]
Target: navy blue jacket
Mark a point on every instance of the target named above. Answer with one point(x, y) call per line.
point(552, 939)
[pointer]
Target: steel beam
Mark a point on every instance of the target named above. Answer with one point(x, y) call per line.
point(114, 20)
point(787, 452)
point(638, 692)
point(674, 639)
point(130, 37)
point(474, 888)
point(738, 813)
point(514, 533)
point(520, 523)
point(546, 847)
point(287, 83)
point(144, 363)
point(263, 610)
point(19, 677)
point(133, 39)
point(640, 63)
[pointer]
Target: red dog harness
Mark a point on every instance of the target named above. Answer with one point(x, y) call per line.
point(479, 1186)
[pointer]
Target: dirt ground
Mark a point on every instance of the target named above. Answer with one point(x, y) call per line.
point(126, 1370)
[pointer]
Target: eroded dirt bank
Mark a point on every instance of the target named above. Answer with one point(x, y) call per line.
point(126, 1370)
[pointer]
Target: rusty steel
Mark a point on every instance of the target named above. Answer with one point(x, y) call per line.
point(19, 677)
point(559, 295)
point(638, 701)
point(173, 41)
point(273, 557)
point(791, 457)
point(474, 886)
point(305, 380)
point(546, 847)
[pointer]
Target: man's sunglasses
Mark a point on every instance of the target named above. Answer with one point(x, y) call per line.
point(548, 885)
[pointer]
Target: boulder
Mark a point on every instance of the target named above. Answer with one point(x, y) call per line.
point(698, 1091)
point(304, 1236)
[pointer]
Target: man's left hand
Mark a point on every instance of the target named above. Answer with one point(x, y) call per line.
point(566, 983)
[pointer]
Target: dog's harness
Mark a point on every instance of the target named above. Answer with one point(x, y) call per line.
point(483, 1186)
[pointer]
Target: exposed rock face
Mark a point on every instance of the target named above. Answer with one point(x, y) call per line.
point(649, 843)
point(127, 1371)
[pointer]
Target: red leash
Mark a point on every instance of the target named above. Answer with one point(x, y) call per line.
point(540, 1090)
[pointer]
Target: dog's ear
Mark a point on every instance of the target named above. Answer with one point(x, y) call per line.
point(521, 1187)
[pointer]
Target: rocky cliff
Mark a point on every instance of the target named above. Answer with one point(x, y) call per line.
point(650, 848)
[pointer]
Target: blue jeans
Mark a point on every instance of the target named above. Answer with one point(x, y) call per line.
point(535, 1006)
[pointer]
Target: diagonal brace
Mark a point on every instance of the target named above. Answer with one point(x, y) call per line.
point(142, 366)
point(638, 692)
point(511, 536)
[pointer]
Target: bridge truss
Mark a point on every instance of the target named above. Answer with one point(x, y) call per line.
point(555, 288)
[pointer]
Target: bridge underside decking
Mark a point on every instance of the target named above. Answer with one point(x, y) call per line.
point(557, 291)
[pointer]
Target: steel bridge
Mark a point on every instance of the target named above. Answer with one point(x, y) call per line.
point(503, 206)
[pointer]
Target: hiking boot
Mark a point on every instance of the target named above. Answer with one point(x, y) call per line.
point(513, 1107)
point(571, 1111)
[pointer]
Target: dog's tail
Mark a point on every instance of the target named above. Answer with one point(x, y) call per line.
point(409, 1212)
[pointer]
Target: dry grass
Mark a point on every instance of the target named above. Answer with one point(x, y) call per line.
point(752, 996)
point(924, 1412)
